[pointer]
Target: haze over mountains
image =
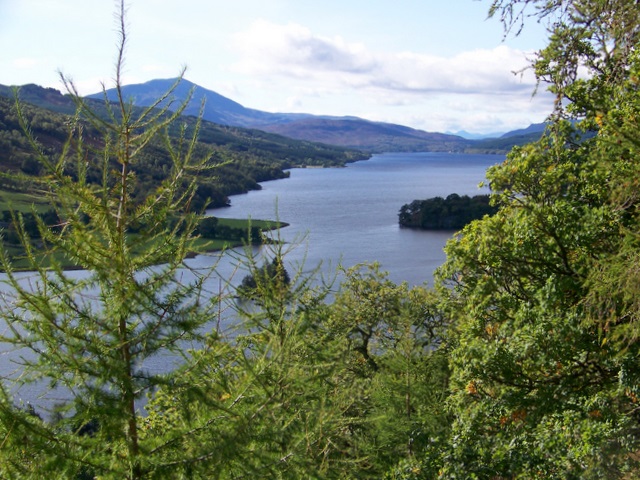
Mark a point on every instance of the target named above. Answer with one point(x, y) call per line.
point(351, 132)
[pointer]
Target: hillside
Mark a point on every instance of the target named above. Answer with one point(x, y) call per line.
point(371, 136)
point(248, 156)
point(345, 132)
point(507, 141)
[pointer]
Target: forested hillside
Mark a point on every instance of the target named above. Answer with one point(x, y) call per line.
point(243, 157)
point(522, 362)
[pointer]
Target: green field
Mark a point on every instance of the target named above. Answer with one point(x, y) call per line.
point(22, 202)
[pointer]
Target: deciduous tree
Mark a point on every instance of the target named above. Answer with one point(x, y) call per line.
point(543, 292)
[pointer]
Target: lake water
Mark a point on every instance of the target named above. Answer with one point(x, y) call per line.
point(343, 216)
point(350, 215)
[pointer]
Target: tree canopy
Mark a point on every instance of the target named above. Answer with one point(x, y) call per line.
point(543, 292)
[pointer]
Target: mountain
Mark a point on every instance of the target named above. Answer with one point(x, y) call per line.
point(217, 108)
point(533, 129)
point(350, 132)
point(474, 136)
point(505, 142)
point(366, 135)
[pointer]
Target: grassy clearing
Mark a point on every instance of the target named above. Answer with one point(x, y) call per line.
point(245, 224)
point(23, 202)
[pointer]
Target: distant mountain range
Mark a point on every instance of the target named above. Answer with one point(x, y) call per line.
point(475, 136)
point(350, 132)
point(254, 152)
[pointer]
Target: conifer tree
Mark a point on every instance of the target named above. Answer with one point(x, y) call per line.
point(88, 336)
point(259, 404)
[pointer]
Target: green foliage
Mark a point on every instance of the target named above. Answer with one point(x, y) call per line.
point(524, 355)
point(91, 335)
point(233, 232)
point(255, 403)
point(398, 378)
point(270, 274)
point(289, 393)
point(543, 293)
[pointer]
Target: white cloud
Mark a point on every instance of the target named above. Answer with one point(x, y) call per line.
point(153, 68)
point(294, 51)
point(477, 90)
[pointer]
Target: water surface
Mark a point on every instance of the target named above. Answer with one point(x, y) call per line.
point(350, 215)
point(343, 215)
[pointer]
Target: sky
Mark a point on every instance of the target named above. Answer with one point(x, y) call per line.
point(439, 66)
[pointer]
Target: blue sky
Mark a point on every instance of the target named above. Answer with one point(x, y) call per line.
point(433, 65)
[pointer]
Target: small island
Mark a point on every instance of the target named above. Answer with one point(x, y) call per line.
point(451, 213)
